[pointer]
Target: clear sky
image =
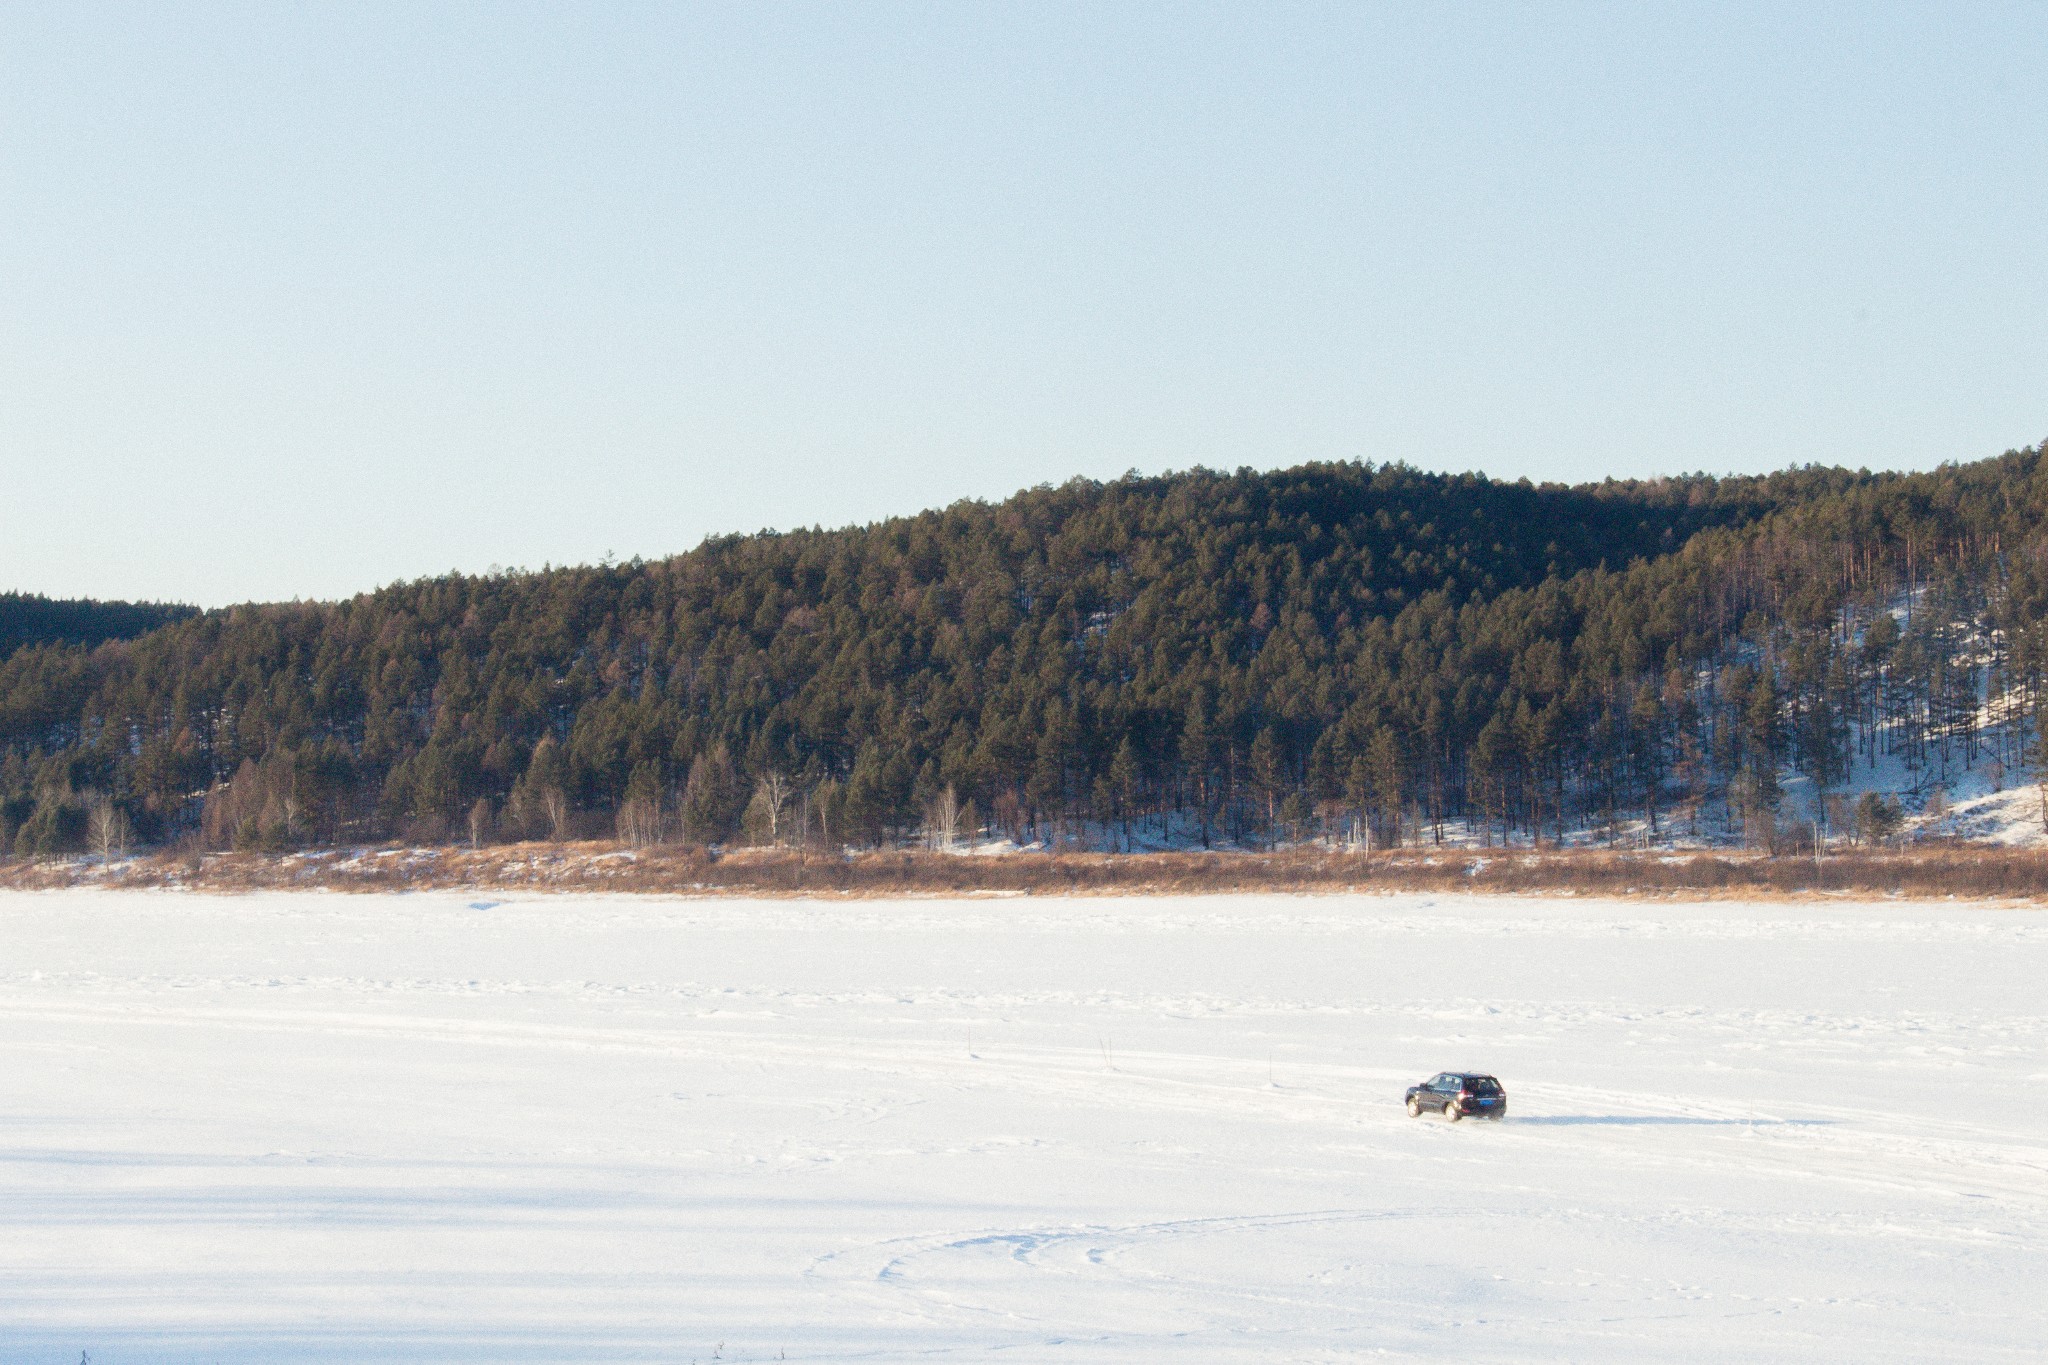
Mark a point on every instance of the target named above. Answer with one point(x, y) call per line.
point(299, 300)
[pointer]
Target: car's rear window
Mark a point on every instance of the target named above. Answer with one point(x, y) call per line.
point(1482, 1085)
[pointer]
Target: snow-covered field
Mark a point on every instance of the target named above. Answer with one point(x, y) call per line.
point(418, 1128)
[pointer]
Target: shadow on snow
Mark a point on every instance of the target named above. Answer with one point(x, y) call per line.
point(1663, 1121)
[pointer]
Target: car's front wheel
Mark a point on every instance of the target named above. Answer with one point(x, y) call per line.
point(1453, 1112)
point(1414, 1107)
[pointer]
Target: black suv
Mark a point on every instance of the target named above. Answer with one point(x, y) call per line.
point(1458, 1093)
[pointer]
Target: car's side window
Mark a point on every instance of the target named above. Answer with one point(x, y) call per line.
point(1437, 1082)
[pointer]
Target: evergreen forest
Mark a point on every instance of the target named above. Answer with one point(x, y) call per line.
point(30, 619)
point(1343, 651)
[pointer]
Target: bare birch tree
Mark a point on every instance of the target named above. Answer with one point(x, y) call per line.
point(555, 807)
point(943, 819)
point(107, 825)
point(771, 800)
point(640, 822)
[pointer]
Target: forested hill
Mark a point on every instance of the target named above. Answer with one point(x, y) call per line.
point(30, 619)
point(1246, 657)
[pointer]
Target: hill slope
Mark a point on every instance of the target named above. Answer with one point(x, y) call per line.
point(31, 619)
point(1203, 656)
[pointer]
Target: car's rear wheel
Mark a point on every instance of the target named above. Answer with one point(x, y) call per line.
point(1453, 1112)
point(1414, 1108)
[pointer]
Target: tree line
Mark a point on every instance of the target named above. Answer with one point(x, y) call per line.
point(32, 619)
point(1339, 650)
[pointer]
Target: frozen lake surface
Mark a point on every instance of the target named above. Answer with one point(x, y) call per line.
point(419, 1128)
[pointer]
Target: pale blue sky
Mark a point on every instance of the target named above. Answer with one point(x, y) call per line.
point(295, 301)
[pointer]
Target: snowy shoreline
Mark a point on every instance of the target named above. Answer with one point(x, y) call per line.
point(1929, 872)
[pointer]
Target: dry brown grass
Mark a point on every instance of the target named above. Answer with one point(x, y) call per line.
point(1958, 870)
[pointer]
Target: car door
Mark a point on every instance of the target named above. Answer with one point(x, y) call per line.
point(1440, 1091)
